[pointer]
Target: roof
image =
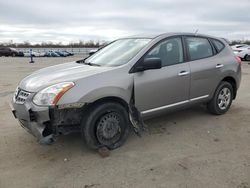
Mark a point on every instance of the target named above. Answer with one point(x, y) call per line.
point(151, 36)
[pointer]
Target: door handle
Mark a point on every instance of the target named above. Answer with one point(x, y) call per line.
point(183, 73)
point(219, 66)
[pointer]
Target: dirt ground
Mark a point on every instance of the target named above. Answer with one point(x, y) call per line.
point(184, 149)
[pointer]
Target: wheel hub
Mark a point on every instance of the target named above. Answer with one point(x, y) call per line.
point(224, 98)
point(108, 128)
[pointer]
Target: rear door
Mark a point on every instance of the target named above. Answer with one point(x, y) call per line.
point(204, 65)
point(169, 86)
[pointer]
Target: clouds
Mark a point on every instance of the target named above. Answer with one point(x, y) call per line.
point(64, 20)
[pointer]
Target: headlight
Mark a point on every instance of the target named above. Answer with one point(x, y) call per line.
point(50, 95)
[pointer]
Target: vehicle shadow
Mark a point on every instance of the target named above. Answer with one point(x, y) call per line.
point(158, 125)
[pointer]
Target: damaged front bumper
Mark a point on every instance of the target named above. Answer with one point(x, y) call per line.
point(47, 122)
point(34, 119)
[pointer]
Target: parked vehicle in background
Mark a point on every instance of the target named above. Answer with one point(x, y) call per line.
point(20, 54)
point(243, 53)
point(51, 54)
point(61, 54)
point(128, 80)
point(34, 54)
point(6, 51)
point(67, 53)
point(38, 54)
point(236, 46)
point(26, 54)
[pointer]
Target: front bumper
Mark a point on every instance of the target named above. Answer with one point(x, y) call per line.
point(34, 119)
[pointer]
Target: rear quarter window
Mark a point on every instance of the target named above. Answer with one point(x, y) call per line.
point(218, 45)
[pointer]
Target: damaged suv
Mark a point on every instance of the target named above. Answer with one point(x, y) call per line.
point(123, 83)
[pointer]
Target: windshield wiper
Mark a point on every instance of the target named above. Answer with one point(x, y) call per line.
point(80, 61)
point(91, 64)
point(87, 63)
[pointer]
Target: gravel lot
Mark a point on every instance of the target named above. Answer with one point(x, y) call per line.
point(185, 149)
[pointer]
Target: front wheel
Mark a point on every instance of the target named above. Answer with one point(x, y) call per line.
point(222, 99)
point(106, 124)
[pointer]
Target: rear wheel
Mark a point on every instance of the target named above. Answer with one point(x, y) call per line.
point(222, 99)
point(106, 124)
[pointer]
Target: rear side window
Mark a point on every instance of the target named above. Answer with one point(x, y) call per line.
point(198, 48)
point(218, 45)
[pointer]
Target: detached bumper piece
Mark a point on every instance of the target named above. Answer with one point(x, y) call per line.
point(39, 131)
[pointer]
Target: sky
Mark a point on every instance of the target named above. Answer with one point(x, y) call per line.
point(73, 20)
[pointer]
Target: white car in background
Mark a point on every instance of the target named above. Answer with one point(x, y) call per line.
point(236, 46)
point(34, 54)
point(243, 52)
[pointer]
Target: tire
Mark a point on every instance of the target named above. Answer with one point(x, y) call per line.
point(13, 55)
point(222, 99)
point(247, 57)
point(106, 124)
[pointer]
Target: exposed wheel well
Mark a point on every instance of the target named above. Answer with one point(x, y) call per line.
point(232, 81)
point(110, 99)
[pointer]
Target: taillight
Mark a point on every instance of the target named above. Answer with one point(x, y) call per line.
point(238, 59)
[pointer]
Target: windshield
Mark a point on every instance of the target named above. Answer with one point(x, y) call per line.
point(117, 53)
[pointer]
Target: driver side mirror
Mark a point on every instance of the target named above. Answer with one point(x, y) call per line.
point(149, 63)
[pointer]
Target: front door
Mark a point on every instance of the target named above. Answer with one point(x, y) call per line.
point(166, 87)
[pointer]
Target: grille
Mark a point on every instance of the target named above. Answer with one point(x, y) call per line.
point(20, 96)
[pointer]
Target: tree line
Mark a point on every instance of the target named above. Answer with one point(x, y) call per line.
point(240, 42)
point(80, 44)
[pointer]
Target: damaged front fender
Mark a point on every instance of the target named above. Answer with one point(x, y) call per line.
point(135, 117)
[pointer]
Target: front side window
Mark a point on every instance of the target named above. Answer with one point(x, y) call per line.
point(118, 53)
point(169, 51)
point(198, 48)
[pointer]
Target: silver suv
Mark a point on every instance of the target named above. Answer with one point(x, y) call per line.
point(123, 83)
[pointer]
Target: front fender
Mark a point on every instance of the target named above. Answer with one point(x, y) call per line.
point(103, 92)
point(115, 83)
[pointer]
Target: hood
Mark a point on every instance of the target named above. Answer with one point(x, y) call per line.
point(59, 73)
